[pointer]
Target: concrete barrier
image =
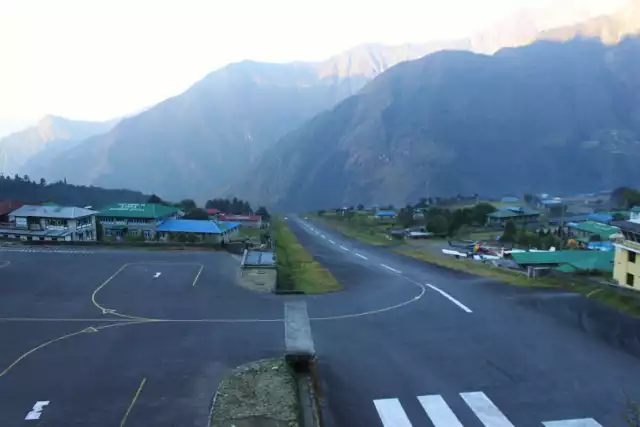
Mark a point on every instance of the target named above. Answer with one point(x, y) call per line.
point(297, 332)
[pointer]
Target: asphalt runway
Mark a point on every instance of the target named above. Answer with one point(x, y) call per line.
point(130, 338)
point(124, 338)
point(469, 352)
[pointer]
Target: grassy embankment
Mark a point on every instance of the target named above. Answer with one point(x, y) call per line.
point(361, 227)
point(608, 296)
point(297, 269)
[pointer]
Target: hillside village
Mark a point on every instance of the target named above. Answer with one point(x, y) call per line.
point(596, 236)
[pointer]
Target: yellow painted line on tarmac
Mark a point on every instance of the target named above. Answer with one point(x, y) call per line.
point(90, 329)
point(198, 275)
point(133, 402)
point(34, 349)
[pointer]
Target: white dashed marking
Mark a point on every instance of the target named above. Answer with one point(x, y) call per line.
point(361, 256)
point(450, 298)
point(332, 242)
point(344, 249)
point(391, 268)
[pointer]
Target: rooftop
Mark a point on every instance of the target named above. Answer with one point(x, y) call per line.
point(628, 226)
point(568, 260)
point(138, 210)
point(194, 226)
point(65, 212)
point(232, 217)
point(513, 212)
point(257, 258)
point(592, 227)
point(7, 206)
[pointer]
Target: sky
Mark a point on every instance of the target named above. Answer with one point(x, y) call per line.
point(96, 60)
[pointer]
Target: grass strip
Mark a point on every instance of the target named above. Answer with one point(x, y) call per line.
point(257, 394)
point(622, 301)
point(364, 233)
point(297, 269)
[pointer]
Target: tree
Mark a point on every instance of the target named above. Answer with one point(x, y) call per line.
point(43, 182)
point(510, 232)
point(543, 222)
point(154, 199)
point(463, 231)
point(405, 217)
point(197, 213)
point(480, 211)
point(360, 207)
point(262, 211)
point(625, 197)
point(528, 198)
point(321, 212)
point(188, 205)
point(438, 224)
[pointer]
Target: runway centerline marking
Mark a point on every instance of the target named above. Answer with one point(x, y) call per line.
point(155, 276)
point(133, 402)
point(450, 298)
point(361, 256)
point(391, 268)
point(332, 242)
point(343, 248)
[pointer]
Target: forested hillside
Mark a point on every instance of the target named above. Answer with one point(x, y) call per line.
point(25, 190)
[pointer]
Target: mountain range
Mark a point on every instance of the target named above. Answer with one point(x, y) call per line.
point(232, 131)
point(551, 116)
point(37, 146)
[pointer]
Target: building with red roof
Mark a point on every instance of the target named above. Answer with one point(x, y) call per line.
point(252, 221)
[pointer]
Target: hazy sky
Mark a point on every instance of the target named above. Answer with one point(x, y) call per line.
point(90, 59)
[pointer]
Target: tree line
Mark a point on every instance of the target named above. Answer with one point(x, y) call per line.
point(233, 206)
point(25, 190)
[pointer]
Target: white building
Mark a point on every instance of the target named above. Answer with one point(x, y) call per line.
point(51, 223)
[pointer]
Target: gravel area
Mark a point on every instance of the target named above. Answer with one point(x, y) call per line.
point(258, 394)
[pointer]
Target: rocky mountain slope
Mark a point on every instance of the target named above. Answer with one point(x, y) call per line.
point(39, 144)
point(546, 117)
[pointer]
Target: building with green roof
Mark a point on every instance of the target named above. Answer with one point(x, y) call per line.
point(520, 215)
point(587, 231)
point(567, 261)
point(135, 219)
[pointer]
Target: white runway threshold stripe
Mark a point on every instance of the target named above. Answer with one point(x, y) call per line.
point(391, 268)
point(361, 256)
point(439, 412)
point(485, 410)
point(584, 422)
point(450, 298)
point(391, 413)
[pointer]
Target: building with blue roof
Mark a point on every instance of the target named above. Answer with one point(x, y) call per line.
point(209, 231)
point(386, 214)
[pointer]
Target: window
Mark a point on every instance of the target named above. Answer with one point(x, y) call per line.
point(107, 232)
point(632, 256)
point(147, 234)
point(630, 278)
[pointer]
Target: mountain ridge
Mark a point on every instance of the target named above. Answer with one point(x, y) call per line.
point(442, 124)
